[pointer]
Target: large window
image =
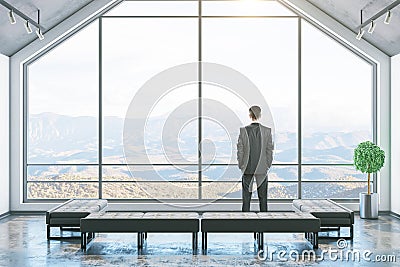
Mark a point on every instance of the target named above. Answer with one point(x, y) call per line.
point(320, 94)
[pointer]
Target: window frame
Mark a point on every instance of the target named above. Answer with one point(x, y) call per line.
point(300, 17)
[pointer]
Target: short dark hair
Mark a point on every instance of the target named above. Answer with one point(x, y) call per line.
point(255, 112)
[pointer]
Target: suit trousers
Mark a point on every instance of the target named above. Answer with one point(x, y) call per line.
point(262, 183)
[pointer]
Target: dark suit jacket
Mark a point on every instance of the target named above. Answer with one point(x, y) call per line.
point(254, 149)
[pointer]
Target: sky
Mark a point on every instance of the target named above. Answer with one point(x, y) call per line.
point(336, 84)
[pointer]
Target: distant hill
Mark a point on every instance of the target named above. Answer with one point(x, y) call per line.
point(61, 139)
point(54, 138)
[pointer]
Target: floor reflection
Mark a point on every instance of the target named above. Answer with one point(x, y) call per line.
point(23, 243)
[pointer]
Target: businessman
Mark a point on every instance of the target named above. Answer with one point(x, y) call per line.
point(254, 155)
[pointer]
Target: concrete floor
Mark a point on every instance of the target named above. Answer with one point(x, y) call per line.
point(23, 243)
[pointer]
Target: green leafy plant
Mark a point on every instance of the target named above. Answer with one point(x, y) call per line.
point(368, 158)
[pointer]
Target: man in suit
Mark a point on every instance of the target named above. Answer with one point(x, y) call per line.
point(254, 154)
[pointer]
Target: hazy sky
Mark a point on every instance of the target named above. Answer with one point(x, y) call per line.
point(336, 84)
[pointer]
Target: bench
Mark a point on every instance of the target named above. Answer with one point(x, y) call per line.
point(330, 213)
point(156, 222)
point(69, 214)
point(110, 222)
point(260, 223)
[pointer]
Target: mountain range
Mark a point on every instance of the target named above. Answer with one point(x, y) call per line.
point(59, 139)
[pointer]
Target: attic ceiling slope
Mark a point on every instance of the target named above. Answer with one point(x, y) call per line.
point(385, 37)
point(13, 37)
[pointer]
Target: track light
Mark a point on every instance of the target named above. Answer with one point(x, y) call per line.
point(388, 17)
point(39, 34)
point(11, 17)
point(371, 22)
point(372, 26)
point(39, 31)
point(360, 34)
point(28, 27)
point(28, 22)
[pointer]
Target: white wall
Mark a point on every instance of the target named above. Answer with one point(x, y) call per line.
point(395, 118)
point(4, 134)
point(383, 84)
point(16, 83)
point(308, 10)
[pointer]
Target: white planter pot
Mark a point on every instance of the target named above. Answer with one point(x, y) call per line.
point(369, 205)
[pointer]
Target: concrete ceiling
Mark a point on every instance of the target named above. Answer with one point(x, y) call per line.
point(347, 12)
point(13, 37)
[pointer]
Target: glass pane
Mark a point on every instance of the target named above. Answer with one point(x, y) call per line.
point(63, 173)
point(245, 8)
point(171, 130)
point(154, 8)
point(336, 99)
point(117, 173)
point(333, 190)
point(217, 190)
point(150, 173)
point(282, 190)
point(232, 173)
point(265, 51)
point(233, 190)
point(224, 113)
point(132, 54)
point(63, 190)
point(63, 102)
point(332, 173)
point(283, 173)
point(221, 173)
point(150, 190)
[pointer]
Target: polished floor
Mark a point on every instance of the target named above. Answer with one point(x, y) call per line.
point(23, 243)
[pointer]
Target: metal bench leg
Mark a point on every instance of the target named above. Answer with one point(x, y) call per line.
point(260, 241)
point(315, 239)
point(48, 232)
point(83, 240)
point(351, 232)
point(145, 235)
point(204, 241)
point(255, 235)
point(139, 240)
point(194, 241)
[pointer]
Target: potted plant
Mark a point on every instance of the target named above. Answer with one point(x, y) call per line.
point(369, 158)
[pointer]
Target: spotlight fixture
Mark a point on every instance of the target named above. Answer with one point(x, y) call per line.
point(11, 17)
point(39, 31)
point(372, 21)
point(388, 17)
point(372, 26)
point(39, 34)
point(360, 34)
point(29, 23)
point(28, 27)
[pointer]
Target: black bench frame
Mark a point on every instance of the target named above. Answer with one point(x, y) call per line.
point(257, 226)
point(71, 227)
point(329, 227)
point(143, 226)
